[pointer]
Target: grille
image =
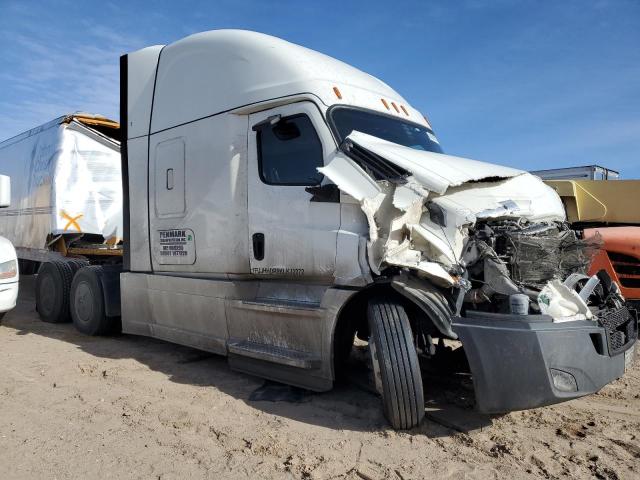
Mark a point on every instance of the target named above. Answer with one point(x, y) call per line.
point(627, 268)
point(621, 326)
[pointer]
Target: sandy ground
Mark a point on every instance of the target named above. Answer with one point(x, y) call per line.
point(125, 407)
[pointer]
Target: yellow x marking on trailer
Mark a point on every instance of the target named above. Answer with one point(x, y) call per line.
point(72, 221)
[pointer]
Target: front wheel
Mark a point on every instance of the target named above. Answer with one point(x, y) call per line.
point(395, 363)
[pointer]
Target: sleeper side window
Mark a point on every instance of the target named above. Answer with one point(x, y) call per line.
point(290, 152)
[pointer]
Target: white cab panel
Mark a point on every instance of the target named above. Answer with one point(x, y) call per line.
point(213, 206)
point(138, 201)
point(141, 67)
point(299, 235)
point(169, 174)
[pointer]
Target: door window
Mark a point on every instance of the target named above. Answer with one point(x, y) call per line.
point(290, 152)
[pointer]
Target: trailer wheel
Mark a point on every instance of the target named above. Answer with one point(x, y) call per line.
point(53, 285)
point(395, 363)
point(87, 302)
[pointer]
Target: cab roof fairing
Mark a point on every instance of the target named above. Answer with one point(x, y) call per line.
point(257, 68)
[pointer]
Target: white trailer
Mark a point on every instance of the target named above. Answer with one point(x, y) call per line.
point(277, 202)
point(66, 195)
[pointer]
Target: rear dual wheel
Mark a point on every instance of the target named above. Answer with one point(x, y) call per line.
point(72, 290)
point(87, 303)
point(53, 288)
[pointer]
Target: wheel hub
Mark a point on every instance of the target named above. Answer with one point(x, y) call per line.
point(83, 302)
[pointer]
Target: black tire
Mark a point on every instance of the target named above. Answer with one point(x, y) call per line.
point(395, 363)
point(77, 263)
point(2, 315)
point(53, 286)
point(87, 303)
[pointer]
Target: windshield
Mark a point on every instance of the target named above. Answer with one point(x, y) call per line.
point(345, 120)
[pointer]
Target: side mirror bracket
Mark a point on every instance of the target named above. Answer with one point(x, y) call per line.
point(267, 122)
point(329, 193)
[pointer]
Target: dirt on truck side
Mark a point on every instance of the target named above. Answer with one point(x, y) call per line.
point(133, 407)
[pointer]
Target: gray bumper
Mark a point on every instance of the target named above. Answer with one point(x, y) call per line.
point(512, 357)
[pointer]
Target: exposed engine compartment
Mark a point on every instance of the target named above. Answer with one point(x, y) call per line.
point(514, 256)
point(547, 263)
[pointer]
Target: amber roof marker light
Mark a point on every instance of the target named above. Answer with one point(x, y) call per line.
point(384, 102)
point(336, 90)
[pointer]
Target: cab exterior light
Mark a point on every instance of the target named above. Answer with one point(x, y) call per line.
point(336, 90)
point(395, 107)
point(8, 269)
point(384, 102)
point(404, 110)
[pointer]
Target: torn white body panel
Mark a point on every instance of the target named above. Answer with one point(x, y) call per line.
point(402, 229)
point(562, 303)
point(523, 196)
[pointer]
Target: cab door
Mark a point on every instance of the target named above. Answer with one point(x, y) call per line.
point(293, 223)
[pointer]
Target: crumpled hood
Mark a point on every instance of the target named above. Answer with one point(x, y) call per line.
point(419, 205)
point(468, 189)
point(435, 171)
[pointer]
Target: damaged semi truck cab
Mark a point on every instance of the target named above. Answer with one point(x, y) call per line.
point(279, 202)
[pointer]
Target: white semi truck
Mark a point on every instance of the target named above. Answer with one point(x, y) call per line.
point(278, 202)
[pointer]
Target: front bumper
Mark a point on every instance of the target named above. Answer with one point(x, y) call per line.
point(512, 359)
point(8, 296)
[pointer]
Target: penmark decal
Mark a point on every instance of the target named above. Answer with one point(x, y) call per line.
point(176, 247)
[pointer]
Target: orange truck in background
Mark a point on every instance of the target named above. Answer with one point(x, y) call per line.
point(609, 208)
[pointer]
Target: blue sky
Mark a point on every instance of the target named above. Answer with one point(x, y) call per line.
point(531, 84)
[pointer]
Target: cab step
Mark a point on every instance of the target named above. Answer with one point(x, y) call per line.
point(273, 354)
point(283, 307)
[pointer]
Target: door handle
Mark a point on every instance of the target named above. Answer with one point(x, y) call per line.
point(258, 246)
point(169, 178)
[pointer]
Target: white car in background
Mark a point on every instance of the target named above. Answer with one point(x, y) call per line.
point(8, 276)
point(8, 259)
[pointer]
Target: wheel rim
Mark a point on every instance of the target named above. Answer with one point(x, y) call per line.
point(83, 302)
point(47, 294)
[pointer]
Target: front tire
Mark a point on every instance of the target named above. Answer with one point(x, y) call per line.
point(395, 363)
